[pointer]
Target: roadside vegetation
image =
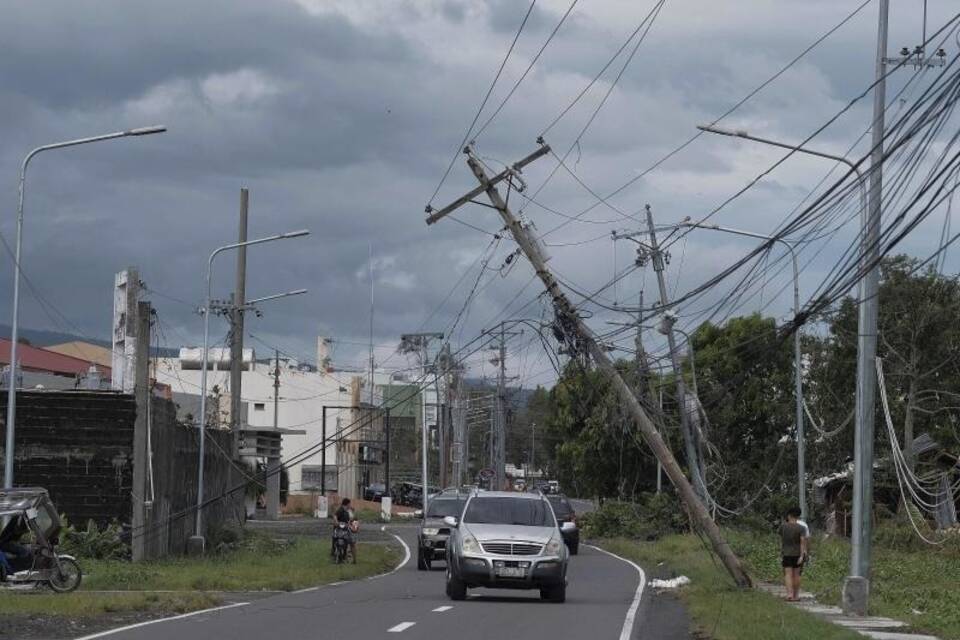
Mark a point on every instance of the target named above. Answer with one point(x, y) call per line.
point(257, 563)
point(912, 582)
point(915, 584)
point(86, 605)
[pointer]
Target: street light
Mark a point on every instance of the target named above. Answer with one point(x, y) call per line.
point(15, 324)
point(201, 423)
point(798, 362)
point(740, 133)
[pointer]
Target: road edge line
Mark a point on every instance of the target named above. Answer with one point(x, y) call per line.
point(406, 555)
point(627, 630)
point(103, 634)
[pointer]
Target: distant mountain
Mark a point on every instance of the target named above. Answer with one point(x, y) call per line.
point(44, 338)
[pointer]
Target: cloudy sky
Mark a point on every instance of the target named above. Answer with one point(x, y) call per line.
point(341, 117)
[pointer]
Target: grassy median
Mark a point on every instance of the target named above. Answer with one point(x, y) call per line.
point(718, 609)
point(113, 588)
point(263, 565)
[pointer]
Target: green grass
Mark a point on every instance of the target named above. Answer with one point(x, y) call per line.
point(303, 564)
point(904, 579)
point(85, 605)
point(719, 610)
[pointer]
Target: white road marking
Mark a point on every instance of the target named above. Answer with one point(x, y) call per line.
point(307, 590)
point(403, 626)
point(442, 609)
point(406, 555)
point(104, 634)
point(627, 630)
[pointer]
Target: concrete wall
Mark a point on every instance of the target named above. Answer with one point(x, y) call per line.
point(169, 520)
point(79, 446)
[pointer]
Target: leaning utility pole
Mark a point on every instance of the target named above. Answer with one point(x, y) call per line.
point(236, 326)
point(689, 437)
point(644, 377)
point(580, 337)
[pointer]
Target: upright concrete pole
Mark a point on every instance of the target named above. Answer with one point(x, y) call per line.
point(570, 321)
point(689, 438)
point(141, 454)
point(236, 326)
point(273, 462)
point(424, 435)
point(856, 588)
point(501, 431)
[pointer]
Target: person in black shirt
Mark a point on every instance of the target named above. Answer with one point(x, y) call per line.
point(794, 540)
point(345, 514)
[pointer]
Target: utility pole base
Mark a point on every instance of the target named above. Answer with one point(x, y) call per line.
point(856, 592)
point(195, 546)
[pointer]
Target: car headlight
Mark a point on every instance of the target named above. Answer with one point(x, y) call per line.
point(429, 531)
point(553, 547)
point(470, 544)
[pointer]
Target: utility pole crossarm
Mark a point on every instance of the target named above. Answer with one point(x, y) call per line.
point(435, 216)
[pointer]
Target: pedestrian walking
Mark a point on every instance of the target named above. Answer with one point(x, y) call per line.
point(794, 547)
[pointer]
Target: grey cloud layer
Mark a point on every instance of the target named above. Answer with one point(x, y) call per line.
point(342, 117)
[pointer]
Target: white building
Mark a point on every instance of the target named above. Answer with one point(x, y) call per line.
point(304, 391)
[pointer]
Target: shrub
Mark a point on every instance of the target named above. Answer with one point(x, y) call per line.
point(93, 542)
point(651, 517)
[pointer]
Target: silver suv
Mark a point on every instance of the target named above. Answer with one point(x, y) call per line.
point(506, 541)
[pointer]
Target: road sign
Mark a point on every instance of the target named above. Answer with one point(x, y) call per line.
point(486, 474)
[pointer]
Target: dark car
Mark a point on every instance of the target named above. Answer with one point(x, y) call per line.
point(433, 533)
point(566, 513)
point(374, 492)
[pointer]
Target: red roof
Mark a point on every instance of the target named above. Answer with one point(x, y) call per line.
point(36, 359)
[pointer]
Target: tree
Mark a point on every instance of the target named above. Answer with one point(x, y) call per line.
point(919, 343)
point(597, 452)
point(745, 379)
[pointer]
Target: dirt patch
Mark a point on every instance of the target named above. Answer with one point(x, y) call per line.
point(32, 627)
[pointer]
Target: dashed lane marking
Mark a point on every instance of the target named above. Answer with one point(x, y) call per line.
point(403, 626)
point(442, 609)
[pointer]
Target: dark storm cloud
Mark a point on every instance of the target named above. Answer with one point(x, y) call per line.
point(341, 116)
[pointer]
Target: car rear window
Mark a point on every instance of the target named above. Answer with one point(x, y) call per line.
point(442, 507)
point(560, 506)
point(516, 511)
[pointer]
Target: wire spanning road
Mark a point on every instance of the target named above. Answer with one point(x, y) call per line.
point(606, 599)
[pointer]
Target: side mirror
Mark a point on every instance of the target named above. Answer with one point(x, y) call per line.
point(418, 513)
point(450, 521)
point(568, 526)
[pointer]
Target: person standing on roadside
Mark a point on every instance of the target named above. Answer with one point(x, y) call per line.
point(794, 542)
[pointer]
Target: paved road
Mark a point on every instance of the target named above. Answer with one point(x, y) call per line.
point(411, 604)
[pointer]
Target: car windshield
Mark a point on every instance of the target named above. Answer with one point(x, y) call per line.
point(442, 507)
point(560, 505)
point(518, 511)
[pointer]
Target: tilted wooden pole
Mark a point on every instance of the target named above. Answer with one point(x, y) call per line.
point(571, 322)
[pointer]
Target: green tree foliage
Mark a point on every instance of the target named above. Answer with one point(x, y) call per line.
point(919, 342)
point(596, 447)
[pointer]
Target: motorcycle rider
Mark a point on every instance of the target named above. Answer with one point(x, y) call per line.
point(345, 514)
point(10, 546)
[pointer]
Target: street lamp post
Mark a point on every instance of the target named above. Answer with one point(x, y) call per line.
point(202, 419)
point(15, 323)
point(797, 356)
point(740, 133)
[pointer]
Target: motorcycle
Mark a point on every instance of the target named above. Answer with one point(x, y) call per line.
point(29, 512)
point(341, 542)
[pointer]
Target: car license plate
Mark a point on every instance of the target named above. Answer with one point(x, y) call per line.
point(511, 572)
